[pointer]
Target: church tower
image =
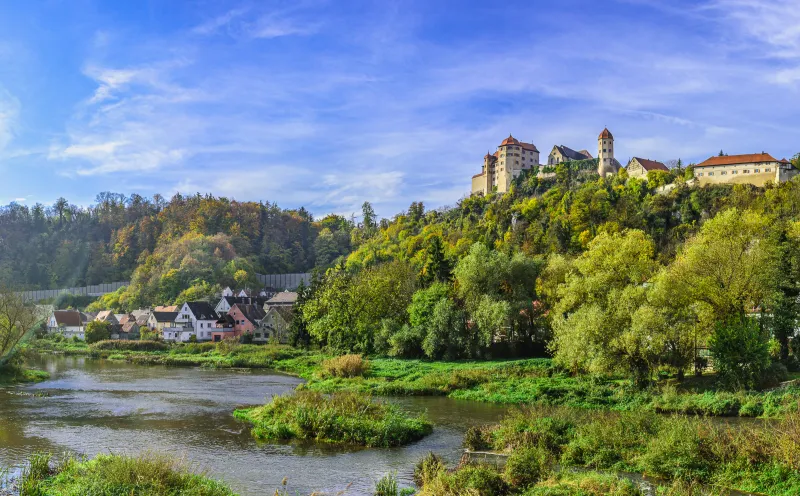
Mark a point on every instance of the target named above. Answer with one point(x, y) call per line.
point(605, 154)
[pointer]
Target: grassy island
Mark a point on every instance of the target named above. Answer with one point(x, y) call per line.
point(343, 418)
point(112, 475)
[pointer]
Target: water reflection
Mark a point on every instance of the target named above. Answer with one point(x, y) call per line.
point(97, 406)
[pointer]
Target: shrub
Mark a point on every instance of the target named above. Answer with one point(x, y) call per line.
point(387, 486)
point(526, 466)
point(468, 480)
point(428, 468)
point(117, 345)
point(680, 450)
point(475, 439)
point(588, 484)
point(346, 366)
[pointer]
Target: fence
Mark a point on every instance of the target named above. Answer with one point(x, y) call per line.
point(283, 281)
point(276, 281)
point(95, 290)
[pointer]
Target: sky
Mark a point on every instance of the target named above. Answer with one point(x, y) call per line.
point(327, 104)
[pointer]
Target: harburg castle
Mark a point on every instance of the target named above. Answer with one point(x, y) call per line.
point(513, 156)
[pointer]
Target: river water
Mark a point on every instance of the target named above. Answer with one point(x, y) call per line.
point(98, 406)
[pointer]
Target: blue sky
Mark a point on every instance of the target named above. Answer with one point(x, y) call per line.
point(330, 103)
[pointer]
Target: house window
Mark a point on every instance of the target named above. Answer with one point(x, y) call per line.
point(734, 172)
point(710, 173)
point(201, 325)
point(756, 170)
point(723, 173)
point(699, 173)
point(767, 170)
point(746, 171)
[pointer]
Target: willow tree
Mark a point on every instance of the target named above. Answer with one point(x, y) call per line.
point(17, 319)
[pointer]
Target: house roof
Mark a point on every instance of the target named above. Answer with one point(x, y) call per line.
point(139, 313)
point(251, 312)
point(750, 158)
point(170, 308)
point(202, 310)
point(71, 318)
point(572, 154)
point(514, 141)
point(106, 316)
point(226, 320)
point(650, 165)
point(256, 300)
point(130, 326)
point(284, 297)
point(88, 316)
point(125, 318)
point(164, 316)
point(606, 134)
point(478, 175)
point(286, 313)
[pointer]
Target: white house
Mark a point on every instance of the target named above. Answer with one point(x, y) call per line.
point(69, 323)
point(201, 317)
point(227, 302)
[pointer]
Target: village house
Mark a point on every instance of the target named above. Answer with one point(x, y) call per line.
point(224, 328)
point(755, 168)
point(201, 317)
point(275, 324)
point(164, 323)
point(246, 318)
point(68, 323)
point(639, 167)
point(227, 302)
point(282, 299)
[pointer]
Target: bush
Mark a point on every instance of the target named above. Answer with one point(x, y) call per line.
point(475, 439)
point(387, 486)
point(526, 466)
point(97, 331)
point(346, 366)
point(680, 450)
point(468, 480)
point(118, 345)
point(428, 468)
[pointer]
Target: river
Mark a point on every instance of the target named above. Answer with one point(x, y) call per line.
point(98, 406)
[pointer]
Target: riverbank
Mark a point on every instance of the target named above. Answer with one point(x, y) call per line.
point(512, 382)
point(10, 375)
point(688, 452)
point(144, 475)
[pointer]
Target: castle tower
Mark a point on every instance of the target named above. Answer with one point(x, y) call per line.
point(605, 154)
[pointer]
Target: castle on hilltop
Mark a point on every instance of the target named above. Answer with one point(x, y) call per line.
point(513, 156)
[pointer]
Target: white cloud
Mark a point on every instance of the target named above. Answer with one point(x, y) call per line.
point(770, 22)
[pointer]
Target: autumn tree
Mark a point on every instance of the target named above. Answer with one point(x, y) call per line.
point(17, 319)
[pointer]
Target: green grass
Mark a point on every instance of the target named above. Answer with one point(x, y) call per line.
point(115, 475)
point(342, 418)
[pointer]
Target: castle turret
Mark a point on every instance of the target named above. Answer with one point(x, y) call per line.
point(605, 154)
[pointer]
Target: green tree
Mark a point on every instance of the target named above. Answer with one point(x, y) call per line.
point(741, 352)
point(437, 268)
point(595, 321)
point(17, 320)
point(97, 331)
point(447, 337)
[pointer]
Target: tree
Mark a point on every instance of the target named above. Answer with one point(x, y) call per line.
point(17, 319)
point(598, 322)
point(741, 352)
point(368, 220)
point(447, 336)
point(97, 330)
point(730, 267)
point(145, 334)
point(437, 268)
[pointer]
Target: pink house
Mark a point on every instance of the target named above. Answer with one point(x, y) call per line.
point(246, 317)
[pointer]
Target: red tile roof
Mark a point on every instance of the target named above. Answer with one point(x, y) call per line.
point(751, 158)
point(477, 175)
point(606, 134)
point(650, 165)
point(514, 141)
point(70, 318)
